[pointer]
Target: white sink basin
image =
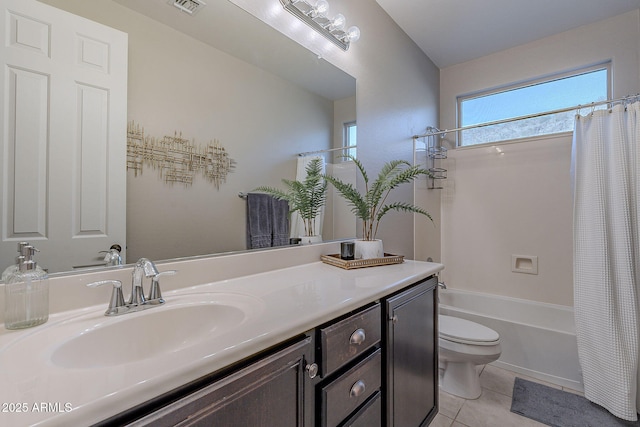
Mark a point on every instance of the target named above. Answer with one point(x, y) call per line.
point(142, 335)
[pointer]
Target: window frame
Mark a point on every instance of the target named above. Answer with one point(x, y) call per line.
point(346, 139)
point(523, 84)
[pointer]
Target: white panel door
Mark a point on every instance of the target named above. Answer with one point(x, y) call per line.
point(63, 117)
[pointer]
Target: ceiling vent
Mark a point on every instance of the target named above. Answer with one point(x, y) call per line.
point(188, 6)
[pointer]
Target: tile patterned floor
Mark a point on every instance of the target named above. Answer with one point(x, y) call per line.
point(491, 409)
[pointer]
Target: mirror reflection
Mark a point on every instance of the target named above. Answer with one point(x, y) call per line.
point(220, 75)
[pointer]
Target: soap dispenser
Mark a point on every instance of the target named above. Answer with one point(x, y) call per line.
point(13, 268)
point(26, 293)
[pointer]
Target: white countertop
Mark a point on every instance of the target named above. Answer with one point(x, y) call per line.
point(283, 303)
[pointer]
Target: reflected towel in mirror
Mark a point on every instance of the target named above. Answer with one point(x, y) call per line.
point(267, 221)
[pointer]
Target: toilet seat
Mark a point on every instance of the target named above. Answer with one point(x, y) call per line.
point(463, 331)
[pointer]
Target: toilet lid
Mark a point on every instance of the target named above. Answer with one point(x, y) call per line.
point(464, 331)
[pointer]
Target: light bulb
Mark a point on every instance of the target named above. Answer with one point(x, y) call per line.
point(321, 8)
point(338, 22)
point(353, 34)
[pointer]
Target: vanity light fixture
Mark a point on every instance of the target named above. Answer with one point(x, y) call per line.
point(314, 14)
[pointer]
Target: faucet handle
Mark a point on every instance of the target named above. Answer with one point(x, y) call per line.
point(117, 299)
point(166, 273)
point(154, 292)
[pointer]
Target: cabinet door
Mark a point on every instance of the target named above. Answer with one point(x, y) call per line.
point(272, 392)
point(411, 350)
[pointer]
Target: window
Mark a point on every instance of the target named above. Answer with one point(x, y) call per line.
point(349, 139)
point(558, 92)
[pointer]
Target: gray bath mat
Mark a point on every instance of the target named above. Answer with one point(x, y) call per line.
point(559, 408)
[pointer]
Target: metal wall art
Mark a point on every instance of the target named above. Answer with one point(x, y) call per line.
point(177, 158)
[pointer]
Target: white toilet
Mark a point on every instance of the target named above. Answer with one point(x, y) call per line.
point(463, 345)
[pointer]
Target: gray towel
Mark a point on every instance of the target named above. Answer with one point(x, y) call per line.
point(280, 222)
point(267, 221)
point(259, 214)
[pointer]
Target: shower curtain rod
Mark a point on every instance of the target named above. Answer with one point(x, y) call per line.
point(307, 153)
point(243, 195)
point(530, 116)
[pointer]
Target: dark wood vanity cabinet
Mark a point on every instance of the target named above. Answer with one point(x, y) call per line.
point(394, 368)
point(271, 392)
point(411, 344)
point(376, 366)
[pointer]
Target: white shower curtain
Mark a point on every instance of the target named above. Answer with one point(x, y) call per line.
point(605, 176)
point(297, 225)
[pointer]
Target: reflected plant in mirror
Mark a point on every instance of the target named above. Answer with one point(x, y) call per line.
point(306, 197)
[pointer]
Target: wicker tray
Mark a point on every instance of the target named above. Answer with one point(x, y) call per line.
point(334, 259)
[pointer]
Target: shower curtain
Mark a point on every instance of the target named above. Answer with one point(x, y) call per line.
point(297, 225)
point(606, 248)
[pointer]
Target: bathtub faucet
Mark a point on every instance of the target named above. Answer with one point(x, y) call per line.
point(442, 285)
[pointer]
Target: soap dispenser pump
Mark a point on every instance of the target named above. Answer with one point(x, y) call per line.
point(13, 268)
point(26, 293)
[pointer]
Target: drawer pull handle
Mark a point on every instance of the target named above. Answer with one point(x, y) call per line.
point(358, 337)
point(357, 389)
point(312, 370)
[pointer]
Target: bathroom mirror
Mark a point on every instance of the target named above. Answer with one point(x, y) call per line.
point(233, 79)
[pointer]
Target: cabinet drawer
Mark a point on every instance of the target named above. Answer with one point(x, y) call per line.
point(342, 341)
point(370, 415)
point(344, 395)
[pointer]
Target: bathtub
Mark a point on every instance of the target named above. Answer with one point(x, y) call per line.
point(538, 339)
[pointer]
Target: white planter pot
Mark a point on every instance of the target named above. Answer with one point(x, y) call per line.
point(367, 249)
point(310, 240)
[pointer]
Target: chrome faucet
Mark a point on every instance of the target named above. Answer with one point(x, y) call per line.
point(146, 267)
point(137, 301)
point(112, 256)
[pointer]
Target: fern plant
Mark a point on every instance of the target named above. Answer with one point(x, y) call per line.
point(305, 197)
point(370, 207)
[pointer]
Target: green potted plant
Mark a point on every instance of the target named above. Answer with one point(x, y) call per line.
point(306, 197)
point(371, 206)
